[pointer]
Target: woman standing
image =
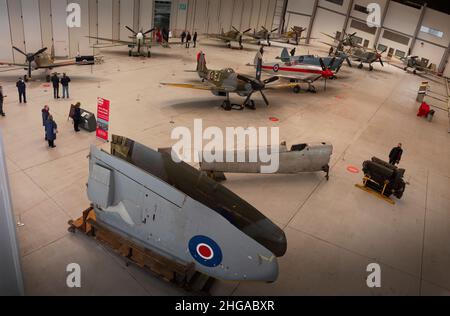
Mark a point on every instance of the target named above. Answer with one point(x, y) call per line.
point(51, 129)
point(76, 117)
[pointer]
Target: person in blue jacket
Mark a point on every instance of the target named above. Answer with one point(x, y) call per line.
point(51, 129)
point(45, 114)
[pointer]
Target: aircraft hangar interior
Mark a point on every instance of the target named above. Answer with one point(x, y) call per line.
point(235, 148)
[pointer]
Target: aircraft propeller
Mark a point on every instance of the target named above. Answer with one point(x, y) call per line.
point(131, 30)
point(30, 57)
point(326, 71)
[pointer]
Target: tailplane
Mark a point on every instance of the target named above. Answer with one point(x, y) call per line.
point(285, 57)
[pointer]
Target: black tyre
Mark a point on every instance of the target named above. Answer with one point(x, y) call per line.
point(297, 89)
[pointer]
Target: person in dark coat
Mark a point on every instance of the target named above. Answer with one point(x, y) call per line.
point(188, 40)
point(293, 52)
point(396, 155)
point(76, 117)
point(183, 36)
point(65, 80)
point(45, 114)
point(51, 129)
point(2, 98)
point(22, 89)
point(194, 39)
point(55, 81)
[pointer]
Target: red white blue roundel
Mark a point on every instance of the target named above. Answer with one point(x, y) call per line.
point(205, 251)
point(276, 68)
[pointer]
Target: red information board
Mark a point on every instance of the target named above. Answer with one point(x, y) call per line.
point(102, 118)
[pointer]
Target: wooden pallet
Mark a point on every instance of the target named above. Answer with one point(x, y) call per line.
point(181, 275)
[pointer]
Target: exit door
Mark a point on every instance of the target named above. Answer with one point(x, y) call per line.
point(162, 14)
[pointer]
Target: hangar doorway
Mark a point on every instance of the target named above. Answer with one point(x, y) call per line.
point(162, 14)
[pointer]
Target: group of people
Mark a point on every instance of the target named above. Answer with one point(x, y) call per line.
point(188, 38)
point(50, 126)
point(64, 81)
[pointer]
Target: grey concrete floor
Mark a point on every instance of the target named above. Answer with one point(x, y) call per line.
point(334, 230)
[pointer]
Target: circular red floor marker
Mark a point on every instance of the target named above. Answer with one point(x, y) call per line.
point(352, 169)
point(46, 85)
point(274, 119)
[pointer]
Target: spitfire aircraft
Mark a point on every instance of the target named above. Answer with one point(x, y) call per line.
point(226, 81)
point(263, 35)
point(234, 35)
point(311, 60)
point(365, 56)
point(295, 34)
point(419, 65)
point(296, 72)
point(42, 60)
point(339, 45)
point(139, 40)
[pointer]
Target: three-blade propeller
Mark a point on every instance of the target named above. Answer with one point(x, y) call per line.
point(30, 57)
point(327, 73)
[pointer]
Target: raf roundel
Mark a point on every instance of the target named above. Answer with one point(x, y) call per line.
point(205, 251)
point(276, 68)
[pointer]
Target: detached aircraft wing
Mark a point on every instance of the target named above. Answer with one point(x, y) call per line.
point(113, 41)
point(200, 87)
point(299, 79)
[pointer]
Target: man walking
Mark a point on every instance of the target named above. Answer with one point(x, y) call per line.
point(55, 82)
point(183, 36)
point(195, 39)
point(22, 89)
point(2, 97)
point(65, 80)
point(188, 40)
point(396, 155)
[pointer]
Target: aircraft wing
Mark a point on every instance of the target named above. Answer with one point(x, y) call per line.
point(200, 87)
point(8, 63)
point(112, 40)
point(281, 86)
point(299, 79)
point(328, 35)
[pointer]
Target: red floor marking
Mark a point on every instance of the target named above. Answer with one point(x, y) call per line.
point(352, 169)
point(274, 119)
point(46, 85)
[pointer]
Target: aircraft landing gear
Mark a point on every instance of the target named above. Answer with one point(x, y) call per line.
point(311, 88)
point(297, 89)
point(326, 169)
point(415, 72)
point(149, 54)
point(360, 66)
point(370, 68)
point(130, 53)
point(250, 105)
point(226, 105)
point(241, 47)
point(25, 78)
point(229, 45)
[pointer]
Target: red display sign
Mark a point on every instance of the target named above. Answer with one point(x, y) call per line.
point(102, 118)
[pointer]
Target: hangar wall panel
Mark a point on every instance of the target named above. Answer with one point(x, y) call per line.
point(364, 35)
point(16, 27)
point(335, 7)
point(246, 14)
point(79, 43)
point(304, 6)
point(146, 15)
point(126, 18)
point(327, 22)
point(93, 20)
point(213, 16)
point(45, 11)
point(5, 33)
point(364, 3)
point(105, 19)
point(256, 10)
point(31, 25)
point(402, 18)
point(116, 19)
point(437, 21)
point(190, 18)
point(264, 4)
point(60, 29)
point(236, 18)
point(181, 15)
point(392, 44)
point(201, 16)
point(293, 19)
point(226, 12)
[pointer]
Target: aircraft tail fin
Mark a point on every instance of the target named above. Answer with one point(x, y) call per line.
point(202, 70)
point(285, 57)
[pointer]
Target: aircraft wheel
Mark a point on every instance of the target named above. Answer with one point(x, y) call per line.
point(251, 105)
point(25, 78)
point(229, 45)
point(370, 68)
point(406, 68)
point(149, 55)
point(360, 66)
point(415, 72)
point(226, 105)
point(297, 89)
point(241, 47)
point(129, 53)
